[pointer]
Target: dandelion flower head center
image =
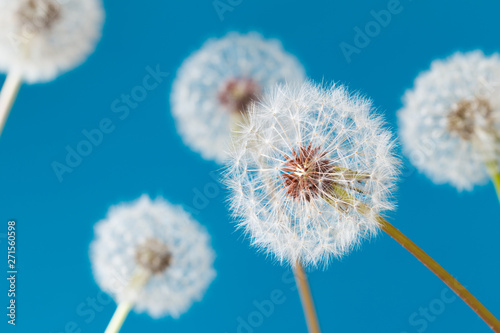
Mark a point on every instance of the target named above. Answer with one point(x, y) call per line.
point(153, 255)
point(307, 173)
point(236, 94)
point(468, 117)
point(310, 174)
point(40, 15)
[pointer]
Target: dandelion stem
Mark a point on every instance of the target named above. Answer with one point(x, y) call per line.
point(424, 258)
point(447, 278)
point(306, 298)
point(136, 283)
point(8, 95)
point(119, 317)
point(495, 176)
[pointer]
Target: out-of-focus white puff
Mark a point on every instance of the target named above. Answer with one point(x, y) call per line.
point(202, 120)
point(126, 228)
point(470, 85)
point(300, 149)
point(41, 39)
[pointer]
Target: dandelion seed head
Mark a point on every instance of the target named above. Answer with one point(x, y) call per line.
point(42, 39)
point(164, 240)
point(450, 121)
point(306, 160)
point(218, 83)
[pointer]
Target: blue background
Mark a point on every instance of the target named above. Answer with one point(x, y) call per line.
point(375, 289)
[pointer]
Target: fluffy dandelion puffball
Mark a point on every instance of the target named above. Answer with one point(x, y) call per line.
point(309, 171)
point(41, 39)
point(218, 83)
point(450, 121)
point(162, 239)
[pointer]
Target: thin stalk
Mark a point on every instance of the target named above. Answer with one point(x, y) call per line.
point(306, 299)
point(495, 176)
point(424, 258)
point(119, 317)
point(441, 273)
point(8, 95)
point(136, 283)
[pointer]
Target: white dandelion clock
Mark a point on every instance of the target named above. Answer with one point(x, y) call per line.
point(450, 121)
point(41, 39)
point(217, 83)
point(152, 256)
point(302, 150)
point(310, 173)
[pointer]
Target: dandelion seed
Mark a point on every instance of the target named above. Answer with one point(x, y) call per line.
point(41, 39)
point(310, 174)
point(303, 145)
point(218, 83)
point(450, 121)
point(152, 256)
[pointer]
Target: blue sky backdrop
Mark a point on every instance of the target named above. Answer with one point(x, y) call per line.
point(378, 288)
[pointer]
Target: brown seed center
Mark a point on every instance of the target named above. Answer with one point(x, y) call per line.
point(310, 174)
point(307, 173)
point(153, 255)
point(237, 94)
point(39, 15)
point(468, 116)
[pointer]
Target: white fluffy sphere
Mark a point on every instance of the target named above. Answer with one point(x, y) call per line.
point(450, 121)
point(41, 39)
point(302, 152)
point(219, 81)
point(119, 239)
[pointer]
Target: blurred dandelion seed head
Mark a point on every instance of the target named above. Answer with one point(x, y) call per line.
point(162, 239)
point(41, 39)
point(221, 79)
point(450, 121)
point(304, 151)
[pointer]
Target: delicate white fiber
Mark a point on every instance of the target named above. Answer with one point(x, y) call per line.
point(309, 171)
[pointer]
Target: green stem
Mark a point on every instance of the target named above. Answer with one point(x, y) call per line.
point(441, 273)
point(494, 172)
point(121, 313)
point(8, 95)
point(431, 264)
point(138, 281)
